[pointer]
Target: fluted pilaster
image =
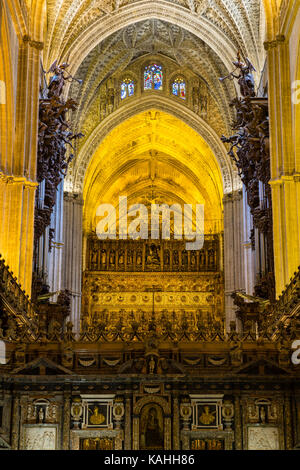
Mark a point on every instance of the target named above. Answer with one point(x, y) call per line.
point(72, 252)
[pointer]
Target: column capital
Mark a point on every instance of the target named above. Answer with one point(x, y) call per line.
point(282, 179)
point(234, 196)
point(280, 39)
point(73, 197)
point(35, 44)
point(11, 179)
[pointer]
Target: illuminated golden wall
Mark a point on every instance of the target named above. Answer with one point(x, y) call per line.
point(283, 68)
point(154, 156)
point(20, 47)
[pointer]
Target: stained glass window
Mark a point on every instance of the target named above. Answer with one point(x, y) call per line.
point(153, 77)
point(178, 88)
point(127, 88)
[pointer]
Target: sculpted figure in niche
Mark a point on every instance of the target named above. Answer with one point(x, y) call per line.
point(175, 258)
point(152, 436)
point(211, 257)
point(112, 257)
point(202, 258)
point(184, 258)
point(102, 106)
point(41, 415)
point(262, 414)
point(152, 256)
point(96, 417)
point(151, 365)
point(103, 257)
point(94, 256)
point(130, 257)
point(167, 257)
point(204, 103)
point(207, 417)
point(196, 99)
point(121, 258)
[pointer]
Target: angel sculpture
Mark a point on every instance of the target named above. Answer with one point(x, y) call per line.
point(245, 77)
point(57, 81)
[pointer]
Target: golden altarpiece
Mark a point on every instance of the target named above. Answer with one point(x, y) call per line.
point(123, 344)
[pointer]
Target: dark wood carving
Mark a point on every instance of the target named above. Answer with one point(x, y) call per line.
point(54, 135)
point(249, 149)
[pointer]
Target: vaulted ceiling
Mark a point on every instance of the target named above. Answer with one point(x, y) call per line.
point(241, 21)
point(121, 49)
point(102, 38)
point(154, 157)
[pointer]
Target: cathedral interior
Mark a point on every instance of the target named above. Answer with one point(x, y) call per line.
point(140, 343)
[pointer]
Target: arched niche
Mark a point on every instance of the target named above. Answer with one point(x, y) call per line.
point(141, 411)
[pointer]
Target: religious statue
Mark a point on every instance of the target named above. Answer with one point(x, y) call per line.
point(207, 417)
point(152, 432)
point(59, 78)
point(121, 258)
point(245, 77)
point(184, 258)
point(54, 134)
point(103, 257)
point(96, 418)
point(139, 258)
point(94, 257)
point(250, 150)
point(175, 257)
point(195, 97)
point(41, 415)
point(262, 414)
point(130, 257)
point(193, 259)
point(152, 258)
point(112, 258)
point(151, 365)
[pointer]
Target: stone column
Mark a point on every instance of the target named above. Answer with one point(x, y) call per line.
point(18, 156)
point(238, 424)
point(127, 437)
point(233, 251)
point(297, 418)
point(72, 252)
point(56, 249)
point(288, 424)
point(17, 197)
point(66, 423)
point(249, 254)
point(135, 434)
point(168, 431)
point(285, 166)
point(176, 425)
point(15, 425)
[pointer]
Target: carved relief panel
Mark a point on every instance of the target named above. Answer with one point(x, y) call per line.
point(263, 423)
point(40, 437)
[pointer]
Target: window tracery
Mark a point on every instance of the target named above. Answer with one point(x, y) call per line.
point(127, 88)
point(153, 77)
point(179, 88)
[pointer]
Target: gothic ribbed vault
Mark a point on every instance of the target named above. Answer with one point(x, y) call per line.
point(154, 156)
